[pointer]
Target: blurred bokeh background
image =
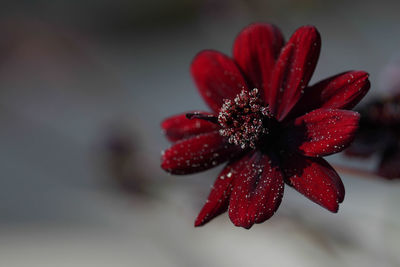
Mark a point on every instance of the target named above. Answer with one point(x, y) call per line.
point(83, 88)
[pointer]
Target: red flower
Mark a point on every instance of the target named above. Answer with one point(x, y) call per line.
point(266, 123)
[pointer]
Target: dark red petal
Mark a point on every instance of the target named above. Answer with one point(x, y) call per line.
point(390, 162)
point(315, 179)
point(342, 91)
point(217, 77)
point(323, 131)
point(255, 50)
point(257, 192)
point(197, 154)
point(179, 127)
point(218, 200)
point(293, 70)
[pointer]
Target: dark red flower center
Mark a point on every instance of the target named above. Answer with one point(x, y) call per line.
point(243, 120)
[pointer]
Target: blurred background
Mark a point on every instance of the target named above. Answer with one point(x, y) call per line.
point(84, 86)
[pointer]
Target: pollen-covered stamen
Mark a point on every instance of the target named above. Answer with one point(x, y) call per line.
point(243, 119)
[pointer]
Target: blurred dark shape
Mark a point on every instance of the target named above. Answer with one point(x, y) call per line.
point(122, 159)
point(379, 133)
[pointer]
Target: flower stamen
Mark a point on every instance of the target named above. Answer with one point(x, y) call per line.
point(243, 119)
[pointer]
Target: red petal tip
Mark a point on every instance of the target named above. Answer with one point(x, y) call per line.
point(324, 132)
point(179, 127)
point(315, 179)
point(218, 199)
point(217, 77)
point(257, 191)
point(197, 154)
point(293, 70)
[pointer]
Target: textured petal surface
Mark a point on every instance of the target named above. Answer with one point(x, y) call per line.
point(255, 50)
point(257, 192)
point(218, 199)
point(217, 77)
point(342, 91)
point(323, 132)
point(293, 70)
point(315, 179)
point(179, 127)
point(197, 154)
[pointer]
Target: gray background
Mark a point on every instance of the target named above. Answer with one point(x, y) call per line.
point(74, 75)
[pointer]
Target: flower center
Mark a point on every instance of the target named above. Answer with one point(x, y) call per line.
point(244, 119)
